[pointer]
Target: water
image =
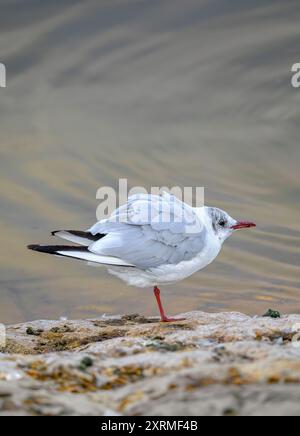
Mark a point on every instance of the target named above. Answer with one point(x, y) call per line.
point(168, 92)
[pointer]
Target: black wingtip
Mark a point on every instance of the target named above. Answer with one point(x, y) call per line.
point(80, 234)
point(33, 247)
point(53, 249)
point(42, 248)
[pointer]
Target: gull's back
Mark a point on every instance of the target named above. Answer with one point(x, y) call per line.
point(150, 231)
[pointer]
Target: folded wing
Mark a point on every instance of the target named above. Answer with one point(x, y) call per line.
point(149, 231)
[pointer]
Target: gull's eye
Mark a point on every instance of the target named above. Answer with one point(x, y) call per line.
point(222, 223)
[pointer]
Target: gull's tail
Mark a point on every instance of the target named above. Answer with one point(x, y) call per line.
point(80, 253)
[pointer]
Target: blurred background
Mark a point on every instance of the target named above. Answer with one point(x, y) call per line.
point(162, 92)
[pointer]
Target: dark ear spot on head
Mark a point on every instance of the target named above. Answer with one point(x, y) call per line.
point(214, 218)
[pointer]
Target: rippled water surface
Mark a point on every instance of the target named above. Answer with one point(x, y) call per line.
point(162, 92)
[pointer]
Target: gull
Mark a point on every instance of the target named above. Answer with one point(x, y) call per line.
point(151, 240)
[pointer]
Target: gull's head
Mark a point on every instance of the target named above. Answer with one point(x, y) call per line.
point(223, 225)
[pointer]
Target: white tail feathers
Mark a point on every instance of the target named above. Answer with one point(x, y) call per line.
point(94, 258)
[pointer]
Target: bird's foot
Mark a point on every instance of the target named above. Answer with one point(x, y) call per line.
point(166, 319)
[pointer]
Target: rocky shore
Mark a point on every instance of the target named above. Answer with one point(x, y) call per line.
point(210, 364)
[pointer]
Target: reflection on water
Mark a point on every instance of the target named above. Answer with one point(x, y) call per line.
point(161, 92)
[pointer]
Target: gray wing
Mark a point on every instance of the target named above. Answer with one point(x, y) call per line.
point(151, 230)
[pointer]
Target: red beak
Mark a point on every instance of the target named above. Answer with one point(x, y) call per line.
point(243, 225)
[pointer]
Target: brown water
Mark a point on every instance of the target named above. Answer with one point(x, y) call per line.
point(163, 92)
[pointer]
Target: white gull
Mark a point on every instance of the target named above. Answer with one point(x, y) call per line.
point(151, 240)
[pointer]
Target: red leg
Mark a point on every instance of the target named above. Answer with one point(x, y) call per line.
point(163, 316)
